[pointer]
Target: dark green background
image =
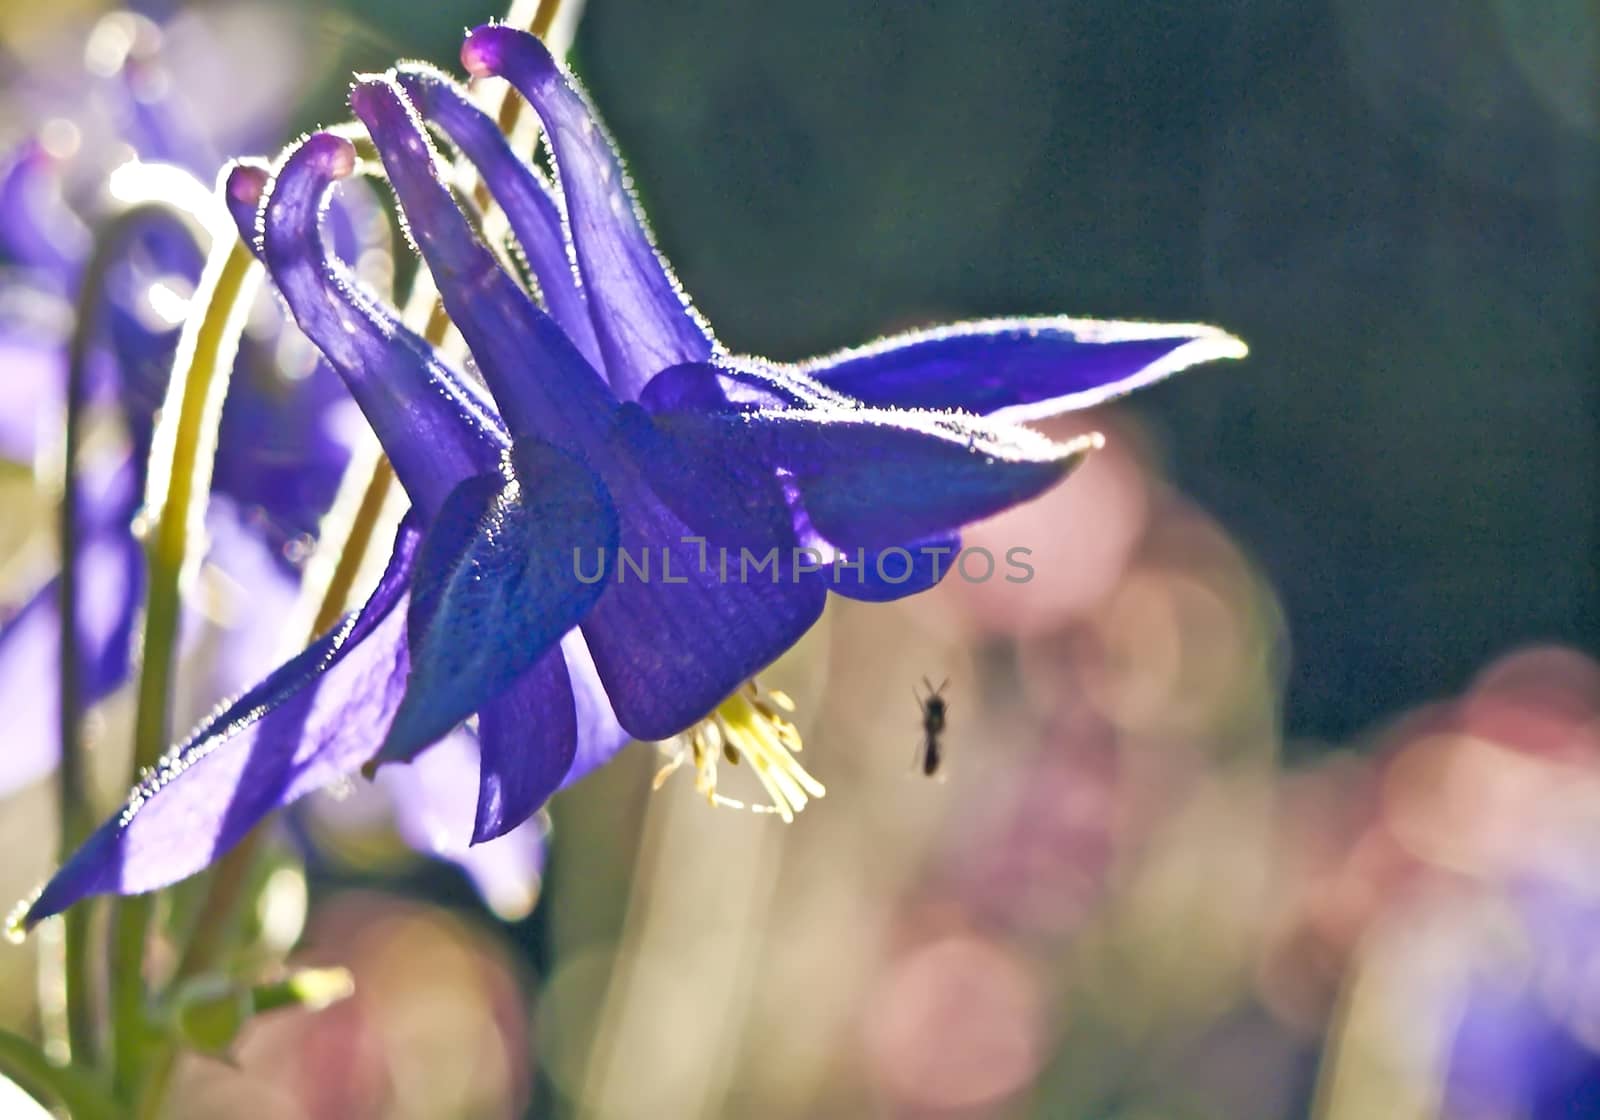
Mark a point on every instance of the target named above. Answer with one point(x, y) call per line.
point(1375, 196)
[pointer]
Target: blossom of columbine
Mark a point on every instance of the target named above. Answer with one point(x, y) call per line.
point(613, 424)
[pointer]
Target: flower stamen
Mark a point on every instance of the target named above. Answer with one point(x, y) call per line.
point(751, 725)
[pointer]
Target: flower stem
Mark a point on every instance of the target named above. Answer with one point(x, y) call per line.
point(73, 802)
point(50, 1084)
point(179, 480)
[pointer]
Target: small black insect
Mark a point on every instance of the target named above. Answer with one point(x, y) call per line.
point(933, 709)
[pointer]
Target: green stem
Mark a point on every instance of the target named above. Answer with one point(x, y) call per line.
point(72, 791)
point(52, 1085)
point(156, 1081)
point(180, 479)
point(221, 902)
point(361, 535)
point(181, 458)
point(226, 889)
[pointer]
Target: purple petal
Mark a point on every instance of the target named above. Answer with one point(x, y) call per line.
point(315, 719)
point(533, 214)
point(496, 588)
point(883, 575)
point(1028, 368)
point(30, 690)
point(867, 477)
point(600, 736)
point(539, 379)
point(874, 575)
point(670, 649)
point(32, 401)
point(641, 314)
point(138, 343)
point(730, 505)
point(433, 802)
point(110, 571)
point(37, 227)
point(110, 583)
point(286, 436)
point(878, 478)
point(435, 429)
point(527, 737)
point(284, 442)
point(246, 182)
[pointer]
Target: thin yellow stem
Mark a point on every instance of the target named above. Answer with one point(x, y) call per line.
point(181, 460)
point(181, 457)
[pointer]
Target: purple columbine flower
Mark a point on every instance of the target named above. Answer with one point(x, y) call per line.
point(609, 423)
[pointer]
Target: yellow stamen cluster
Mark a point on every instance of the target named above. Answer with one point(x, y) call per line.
point(753, 725)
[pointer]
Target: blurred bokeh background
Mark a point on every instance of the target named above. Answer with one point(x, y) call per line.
point(1276, 794)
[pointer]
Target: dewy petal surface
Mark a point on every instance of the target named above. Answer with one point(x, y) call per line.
point(668, 648)
point(534, 217)
point(315, 719)
point(641, 314)
point(1021, 368)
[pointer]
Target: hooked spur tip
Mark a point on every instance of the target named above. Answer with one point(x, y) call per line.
point(332, 153)
point(374, 96)
point(379, 103)
point(494, 49)
point(481, 53)
point(247, 182)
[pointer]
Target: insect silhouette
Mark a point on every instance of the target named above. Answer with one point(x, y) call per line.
point(933, 710)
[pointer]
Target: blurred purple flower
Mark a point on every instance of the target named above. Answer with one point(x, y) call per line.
point(1525, 1042)
point(612, 421)
point(281, 451)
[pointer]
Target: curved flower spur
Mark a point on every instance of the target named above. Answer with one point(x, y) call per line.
point(614, 424)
